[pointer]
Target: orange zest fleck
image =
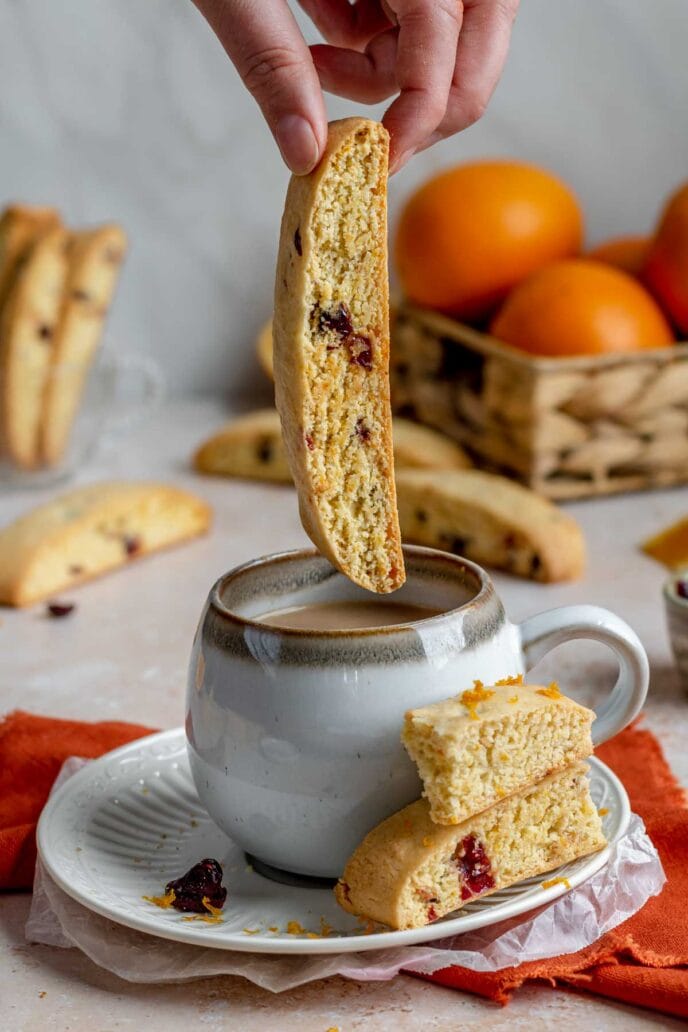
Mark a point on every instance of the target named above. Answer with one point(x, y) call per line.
point(273, 928)
point(472, 696)
point(551, 691)
point(369, 928)
point(295, 928)
point(603, 811)
point(164, 902)
point(205, 918)
point(215, 911)
point(325, 928)
point(504, 681)
point(556, 881)
point(512, 699)
point(250, 931)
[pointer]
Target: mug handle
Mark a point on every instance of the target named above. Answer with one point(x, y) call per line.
point(151, 391)
point(543, 632)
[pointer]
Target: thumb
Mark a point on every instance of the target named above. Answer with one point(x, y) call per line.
point(265, 45)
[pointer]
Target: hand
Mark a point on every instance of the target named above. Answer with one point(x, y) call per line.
point(442, 57)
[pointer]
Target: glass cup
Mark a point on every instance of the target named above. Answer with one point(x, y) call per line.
point(52, 422)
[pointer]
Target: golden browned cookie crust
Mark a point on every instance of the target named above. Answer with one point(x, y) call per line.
point(331, 355)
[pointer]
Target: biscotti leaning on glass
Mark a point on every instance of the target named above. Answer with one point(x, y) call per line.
point(56, 287)
point(506, 798)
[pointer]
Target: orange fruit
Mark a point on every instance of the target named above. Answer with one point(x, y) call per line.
point(470, 234)
point(581, 307)
point(666, 267)
point(627, 253)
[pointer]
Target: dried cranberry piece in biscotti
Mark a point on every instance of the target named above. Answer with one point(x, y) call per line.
point(360, 350)
point(201, 882)
point(338, 320)
point(132, 544)
point(362, 430)
point(474, 867)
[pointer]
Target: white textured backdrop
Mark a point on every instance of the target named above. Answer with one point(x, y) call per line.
point(129, 109)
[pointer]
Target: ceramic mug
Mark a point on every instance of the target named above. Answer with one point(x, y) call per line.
point(293, 735)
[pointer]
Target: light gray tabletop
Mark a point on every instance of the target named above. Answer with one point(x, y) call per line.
point(122, 655)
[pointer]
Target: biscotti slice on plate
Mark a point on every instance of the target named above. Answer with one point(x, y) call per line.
point(331, 355)
point(91, 530)
point(20, 227)
point(492, 520)
point(94, 259)
point(27, 327)
point(487, 743)
point(408, 871)
point(250, 446)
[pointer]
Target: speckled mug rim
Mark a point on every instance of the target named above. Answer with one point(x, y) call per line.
point(455, 562)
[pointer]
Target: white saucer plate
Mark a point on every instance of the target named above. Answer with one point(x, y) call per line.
point(131, 821)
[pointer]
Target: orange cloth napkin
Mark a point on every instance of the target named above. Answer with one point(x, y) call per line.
point(645, 960)
point(32, 750)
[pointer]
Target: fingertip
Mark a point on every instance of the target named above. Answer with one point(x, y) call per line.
point(298, 144)
point(397, 161)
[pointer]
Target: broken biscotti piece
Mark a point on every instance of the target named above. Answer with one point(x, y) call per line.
point(331, 355)
point(487, 743)
point(92, 530)
point(251, 446)
point(492, 520)
point(408, 871)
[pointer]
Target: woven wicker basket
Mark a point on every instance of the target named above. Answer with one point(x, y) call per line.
point(569, 428)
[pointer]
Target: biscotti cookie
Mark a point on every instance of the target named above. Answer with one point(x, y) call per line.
point(250, 446)
point(94, 259)
point(419, 447)
point(20, 227)
point(27, 327)
point(331, 355)
point(264, 349)
point(92, 530)
point(408, 871)
point(492, 520)
point(487, 743)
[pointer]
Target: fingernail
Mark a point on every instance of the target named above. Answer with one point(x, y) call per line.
point(398, 162)
point(297, 143)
